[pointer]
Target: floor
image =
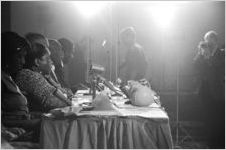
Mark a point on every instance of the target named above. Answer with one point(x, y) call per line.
point(190, 144)
point(189, 135)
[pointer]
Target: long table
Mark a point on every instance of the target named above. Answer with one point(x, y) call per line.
point(127, 127)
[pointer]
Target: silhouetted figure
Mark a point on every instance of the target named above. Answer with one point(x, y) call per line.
point(210, 62)
point(133, 64)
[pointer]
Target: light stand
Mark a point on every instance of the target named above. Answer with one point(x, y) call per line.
point(117, 58)
point(178, 124)
point(179, 127)
point(177, 101)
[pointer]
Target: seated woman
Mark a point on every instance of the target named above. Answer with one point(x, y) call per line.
point(68, 50)
point(31, 80)
point(56, 74)
point(15, 112)
point(37, 38)
point(57, 56)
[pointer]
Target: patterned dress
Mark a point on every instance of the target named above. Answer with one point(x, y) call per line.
point(39, 91)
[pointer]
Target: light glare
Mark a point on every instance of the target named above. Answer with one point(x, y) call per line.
point(89, 8)
point(163, 15)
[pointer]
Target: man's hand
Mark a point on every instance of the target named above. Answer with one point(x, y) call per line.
point(206, 54)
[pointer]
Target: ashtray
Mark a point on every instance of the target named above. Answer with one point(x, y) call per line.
point(86, 106)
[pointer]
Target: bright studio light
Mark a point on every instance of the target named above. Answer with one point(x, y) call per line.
point(163, 14)
point(89, 8)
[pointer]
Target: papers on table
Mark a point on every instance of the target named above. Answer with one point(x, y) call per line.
point(81, 99)
point(81, 92)
point(120, 109)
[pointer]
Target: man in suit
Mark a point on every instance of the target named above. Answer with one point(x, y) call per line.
point(210, 62)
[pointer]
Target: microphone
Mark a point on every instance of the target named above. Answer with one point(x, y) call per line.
point(109, 85)
point(98, 69)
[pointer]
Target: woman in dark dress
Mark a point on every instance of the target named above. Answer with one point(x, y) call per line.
point(15, 111)
point(57, 55)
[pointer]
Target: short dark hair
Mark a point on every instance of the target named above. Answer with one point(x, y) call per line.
point(34, 37)
point(55, 49)
point(37, 51)
point(67, 45)
point(12, 43)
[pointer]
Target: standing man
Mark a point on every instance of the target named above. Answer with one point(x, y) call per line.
point(210, 62)
point(132, 61)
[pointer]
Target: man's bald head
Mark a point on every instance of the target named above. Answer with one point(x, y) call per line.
point(211, 38)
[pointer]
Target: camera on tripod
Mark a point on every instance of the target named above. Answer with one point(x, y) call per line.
point(96, 69)
point(94, 72)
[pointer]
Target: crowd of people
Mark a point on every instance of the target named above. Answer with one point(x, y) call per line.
point(33, 79)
